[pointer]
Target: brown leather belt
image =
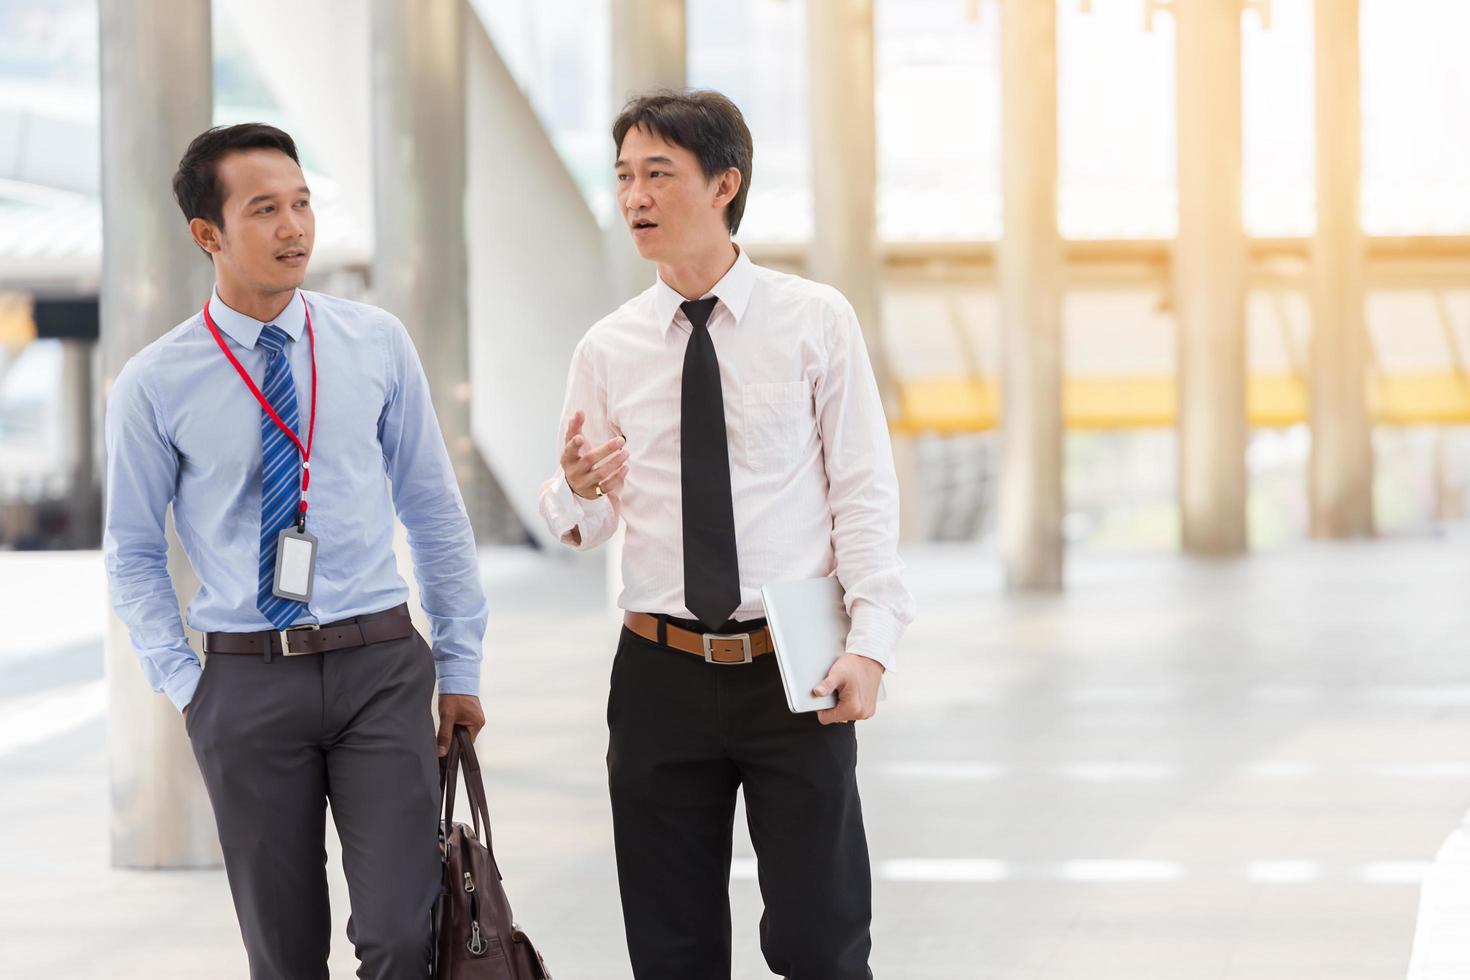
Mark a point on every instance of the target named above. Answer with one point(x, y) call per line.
point(717, 648)
point(391, 624)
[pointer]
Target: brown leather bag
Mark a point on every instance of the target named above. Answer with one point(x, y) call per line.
point(475, 936)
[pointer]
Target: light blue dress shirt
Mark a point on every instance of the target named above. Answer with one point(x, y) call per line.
point(183, 429)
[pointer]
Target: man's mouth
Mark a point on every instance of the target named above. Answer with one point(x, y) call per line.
point(292, 256)
point(643, 223)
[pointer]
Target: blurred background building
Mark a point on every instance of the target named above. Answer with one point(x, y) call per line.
point(936, 111)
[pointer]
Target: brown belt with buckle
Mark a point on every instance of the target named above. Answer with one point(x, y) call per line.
point(391, 624)
point(717, 648)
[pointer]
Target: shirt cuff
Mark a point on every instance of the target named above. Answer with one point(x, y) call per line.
point(181, 683)
point(568, 510)
point(874, 634)
point(462, 681)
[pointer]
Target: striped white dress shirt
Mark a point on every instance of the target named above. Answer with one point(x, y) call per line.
point(811, 465)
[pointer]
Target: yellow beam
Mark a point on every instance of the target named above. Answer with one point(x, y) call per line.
point(1152, 251)
point(958, 405)
point(1421, 399)
point(17, 322)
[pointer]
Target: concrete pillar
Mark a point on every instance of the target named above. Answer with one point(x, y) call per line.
point(419, 266)
point(1342, 455)
point(1209, 279)
point(844, 250)
point(156, 95)
point(649, 42)
point(79, 432)
point(649, 39)
point(1031, 282)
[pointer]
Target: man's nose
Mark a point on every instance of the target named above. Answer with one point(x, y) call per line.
point(636, 195)
point(292, 227)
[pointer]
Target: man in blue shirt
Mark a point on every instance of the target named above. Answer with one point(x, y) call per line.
point(316, 686)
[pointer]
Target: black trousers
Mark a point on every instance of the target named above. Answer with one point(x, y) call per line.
point(275, 741)
point(684, 735)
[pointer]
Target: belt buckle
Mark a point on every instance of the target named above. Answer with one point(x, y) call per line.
point(709, 657)
point(286, 650)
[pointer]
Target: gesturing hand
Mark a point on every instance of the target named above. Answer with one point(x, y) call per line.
point(593, 472)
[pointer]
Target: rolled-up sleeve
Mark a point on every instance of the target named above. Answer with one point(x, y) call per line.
point(142, 472)
point(863, 492)
point(427, 498)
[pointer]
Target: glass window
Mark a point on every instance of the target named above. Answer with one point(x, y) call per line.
point(1416, 104)
point(756, 53)
point(938, 118)
point(1115, 92)
point(559, 53)
point(49, 46)
point(1278, 92)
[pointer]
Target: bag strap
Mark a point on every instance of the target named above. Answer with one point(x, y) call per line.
point(449, 783)
point(479, 804)
point(461, 757)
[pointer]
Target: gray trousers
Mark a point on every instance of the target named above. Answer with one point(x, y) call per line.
point(275, 742)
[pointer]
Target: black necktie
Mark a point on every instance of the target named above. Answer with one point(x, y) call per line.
point(711, 569)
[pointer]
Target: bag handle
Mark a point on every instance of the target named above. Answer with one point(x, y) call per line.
point(448, 783)
point(449, 768)
point(462, 757)
point(470, 763)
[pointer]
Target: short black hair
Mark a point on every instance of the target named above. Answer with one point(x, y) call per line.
point(703, 122)
point(196, 182)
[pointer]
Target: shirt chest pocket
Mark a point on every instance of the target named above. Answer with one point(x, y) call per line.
point(779, 423)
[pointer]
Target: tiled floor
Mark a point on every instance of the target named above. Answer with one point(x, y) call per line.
point(1176, 770)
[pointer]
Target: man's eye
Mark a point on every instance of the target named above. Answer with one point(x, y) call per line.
point(266, 210)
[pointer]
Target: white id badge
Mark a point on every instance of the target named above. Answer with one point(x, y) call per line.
point(295, 564)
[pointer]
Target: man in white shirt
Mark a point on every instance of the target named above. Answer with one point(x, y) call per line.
point(728, 417)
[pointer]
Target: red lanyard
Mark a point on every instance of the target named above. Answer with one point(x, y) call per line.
point(311, 427)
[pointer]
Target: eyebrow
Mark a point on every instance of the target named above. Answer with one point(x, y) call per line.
point(257, 199)
point(666, 161)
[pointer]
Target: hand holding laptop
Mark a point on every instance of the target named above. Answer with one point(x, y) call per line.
point(855, 680)
point(809, 626)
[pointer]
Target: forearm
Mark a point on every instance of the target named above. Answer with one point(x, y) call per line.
point(142, 471)
point(863, 496)
point(446, 565)
point(865, 545)
point(144, 598)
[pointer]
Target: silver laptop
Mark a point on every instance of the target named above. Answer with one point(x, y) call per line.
point(809, 626)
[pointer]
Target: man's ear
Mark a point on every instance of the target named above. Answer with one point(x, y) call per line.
point(728, 187)
point(205, 234)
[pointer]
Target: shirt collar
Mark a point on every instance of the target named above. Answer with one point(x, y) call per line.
point(733, 290)
point(245, 330)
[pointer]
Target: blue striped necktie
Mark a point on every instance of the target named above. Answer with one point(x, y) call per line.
point(280, 479)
